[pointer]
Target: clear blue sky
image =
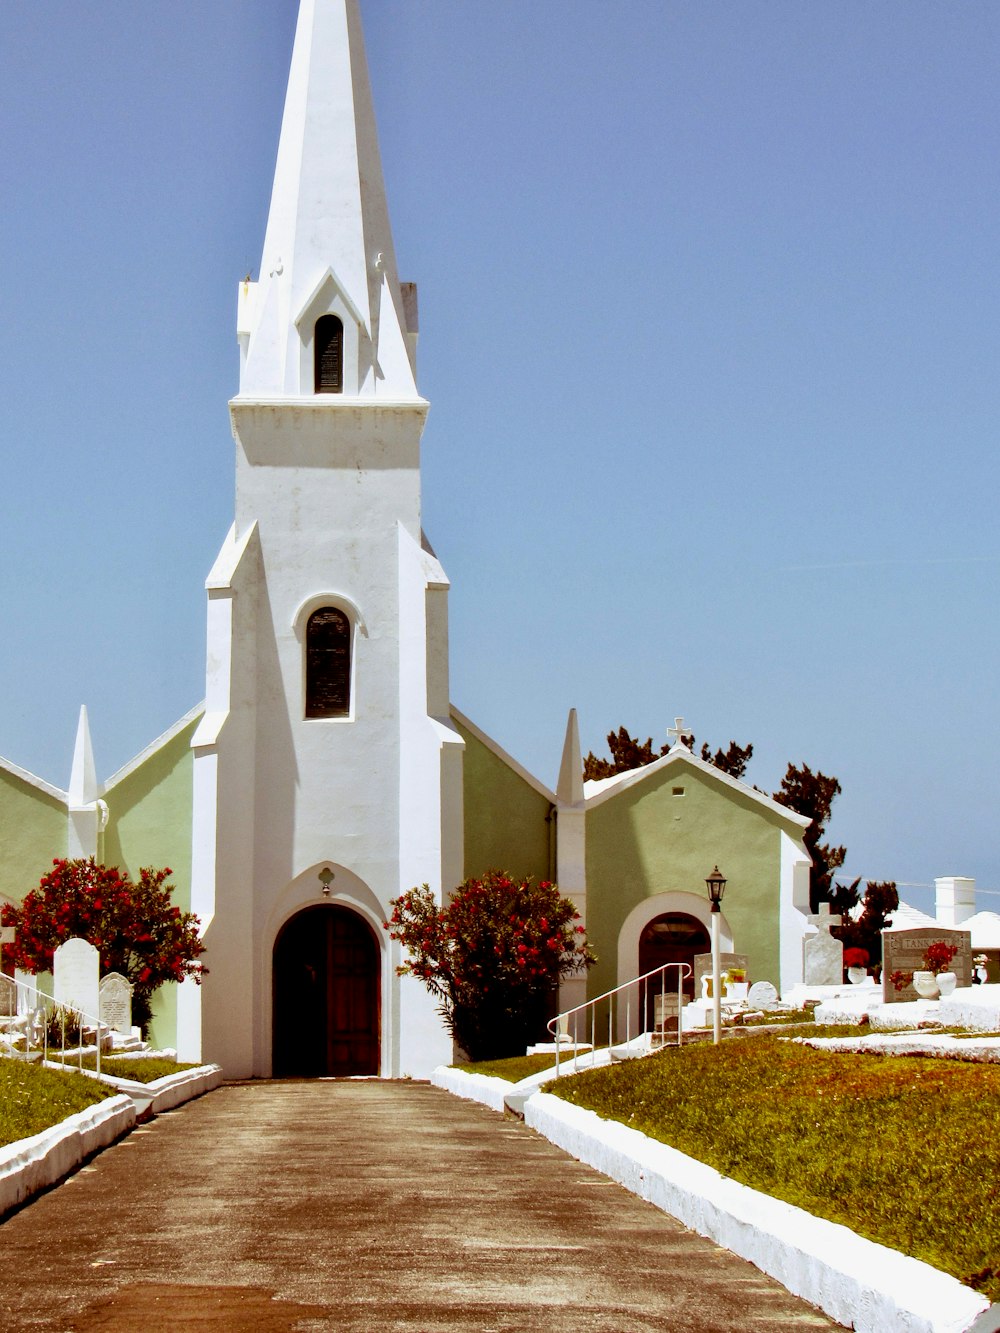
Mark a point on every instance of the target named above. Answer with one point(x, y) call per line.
point(709, 328)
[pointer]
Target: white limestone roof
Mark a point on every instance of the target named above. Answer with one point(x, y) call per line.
point(153, 746)
point(502, 754)
point(985, 930)
point(40, 784)
point(905, 917)
point(599, 790)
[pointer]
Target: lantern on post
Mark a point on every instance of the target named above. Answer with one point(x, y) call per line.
point(716, 883)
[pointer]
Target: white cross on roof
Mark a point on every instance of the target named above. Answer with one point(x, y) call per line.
point(680, 733)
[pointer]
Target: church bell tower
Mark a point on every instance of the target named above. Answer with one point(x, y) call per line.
point(328, 776)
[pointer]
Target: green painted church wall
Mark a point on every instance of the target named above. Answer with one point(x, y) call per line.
point(150, 825)
point(507, 824)
point(33, 832)
point(645, 841)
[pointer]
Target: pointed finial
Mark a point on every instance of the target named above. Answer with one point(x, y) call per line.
point(83, 788)
point(569, 788)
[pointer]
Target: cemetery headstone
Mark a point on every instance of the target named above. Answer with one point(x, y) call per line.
point(116, 1003)
point(703, 966)
point(903, 951)
point(75, 971)
point(8, 997)
point(823, 953)
point(762, 995)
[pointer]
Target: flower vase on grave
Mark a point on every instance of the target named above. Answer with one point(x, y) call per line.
point(946, 982)
point(857, 975)
point(925, 984)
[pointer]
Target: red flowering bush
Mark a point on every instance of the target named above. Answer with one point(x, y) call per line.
point(133, 925)
point(855, 957)
point(938, 956)
point(493, 956)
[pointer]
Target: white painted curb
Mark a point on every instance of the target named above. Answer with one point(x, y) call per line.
point(162, 1094)
point(30, 1165)
point(473, 1087)
point(864, 1286)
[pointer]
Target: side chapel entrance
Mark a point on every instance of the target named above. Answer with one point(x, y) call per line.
point(327, 972)
point(673, 937)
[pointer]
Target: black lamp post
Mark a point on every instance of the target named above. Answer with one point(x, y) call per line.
point(716, 883)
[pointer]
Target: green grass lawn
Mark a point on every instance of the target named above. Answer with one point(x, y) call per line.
point(139, 1071)
point(904, 1150)
point(33, 1099)
point(513, 1069)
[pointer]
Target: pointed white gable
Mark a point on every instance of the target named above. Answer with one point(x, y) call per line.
point(328, 247)
point(570, 785)
point(83, 788)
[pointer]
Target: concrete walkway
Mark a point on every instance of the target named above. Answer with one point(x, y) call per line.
point(362, 1205)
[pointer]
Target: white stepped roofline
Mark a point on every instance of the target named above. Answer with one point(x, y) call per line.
point(502, 755)
point(330, 402)
point(30, 778)
point(680, 754)
point(190, 716)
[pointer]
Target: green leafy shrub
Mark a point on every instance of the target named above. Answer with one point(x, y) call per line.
point(493, 956)
point(133, 925)
point(900, 1149)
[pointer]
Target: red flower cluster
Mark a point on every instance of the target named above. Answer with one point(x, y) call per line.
point(133, 925)
point(498, 937)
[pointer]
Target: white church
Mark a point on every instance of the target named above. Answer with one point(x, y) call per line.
point(326, 771)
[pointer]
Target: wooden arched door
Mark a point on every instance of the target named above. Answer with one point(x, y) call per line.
point(327, 990)
point(673, 937)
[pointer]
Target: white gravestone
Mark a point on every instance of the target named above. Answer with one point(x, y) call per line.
point(75, 970)
point(824, 955)
point(116, 1003)
point(762, 995)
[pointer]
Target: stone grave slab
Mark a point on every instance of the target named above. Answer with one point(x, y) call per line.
point(703, 966)
point(903, 951)
point(116, 1003)
point(762, 995)
point(75, 971)
point(8, 997)
point(822, 953)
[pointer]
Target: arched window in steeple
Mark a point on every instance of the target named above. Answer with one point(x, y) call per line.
point(328, 663)
point(328, 352)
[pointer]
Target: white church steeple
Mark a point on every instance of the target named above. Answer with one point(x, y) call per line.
point(326, 744)
point(328, 248)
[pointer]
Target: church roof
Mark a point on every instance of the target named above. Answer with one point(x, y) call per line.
point(905, 917)
point(600, 790)
point(985, 930)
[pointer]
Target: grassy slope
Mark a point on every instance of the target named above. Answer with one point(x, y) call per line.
point(139, 1071)
point(33, 1099)
point(901, 1150)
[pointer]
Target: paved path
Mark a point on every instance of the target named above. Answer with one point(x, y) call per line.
point(362, 1205)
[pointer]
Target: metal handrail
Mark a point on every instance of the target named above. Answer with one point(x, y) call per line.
point(684, 970)
point(38, 1016)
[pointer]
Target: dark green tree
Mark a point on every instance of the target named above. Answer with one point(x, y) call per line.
point(813, 794)
point(627, 752)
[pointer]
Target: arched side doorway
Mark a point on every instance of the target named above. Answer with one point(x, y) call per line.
point(672, 937)
point(326, 974)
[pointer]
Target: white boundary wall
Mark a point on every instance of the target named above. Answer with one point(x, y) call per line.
point(863, 1285)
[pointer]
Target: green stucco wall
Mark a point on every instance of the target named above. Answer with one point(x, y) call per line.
point(33, 831)
point(645, 840)
point(506, 820)
point(150, 825)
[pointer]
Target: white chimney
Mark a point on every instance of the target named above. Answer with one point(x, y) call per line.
point(954, 900)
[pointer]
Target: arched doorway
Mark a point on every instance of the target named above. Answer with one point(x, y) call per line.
point(326, 968)
point(673, 937)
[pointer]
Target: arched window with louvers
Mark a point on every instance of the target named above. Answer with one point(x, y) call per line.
point(328, 663)
point(328, 355)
